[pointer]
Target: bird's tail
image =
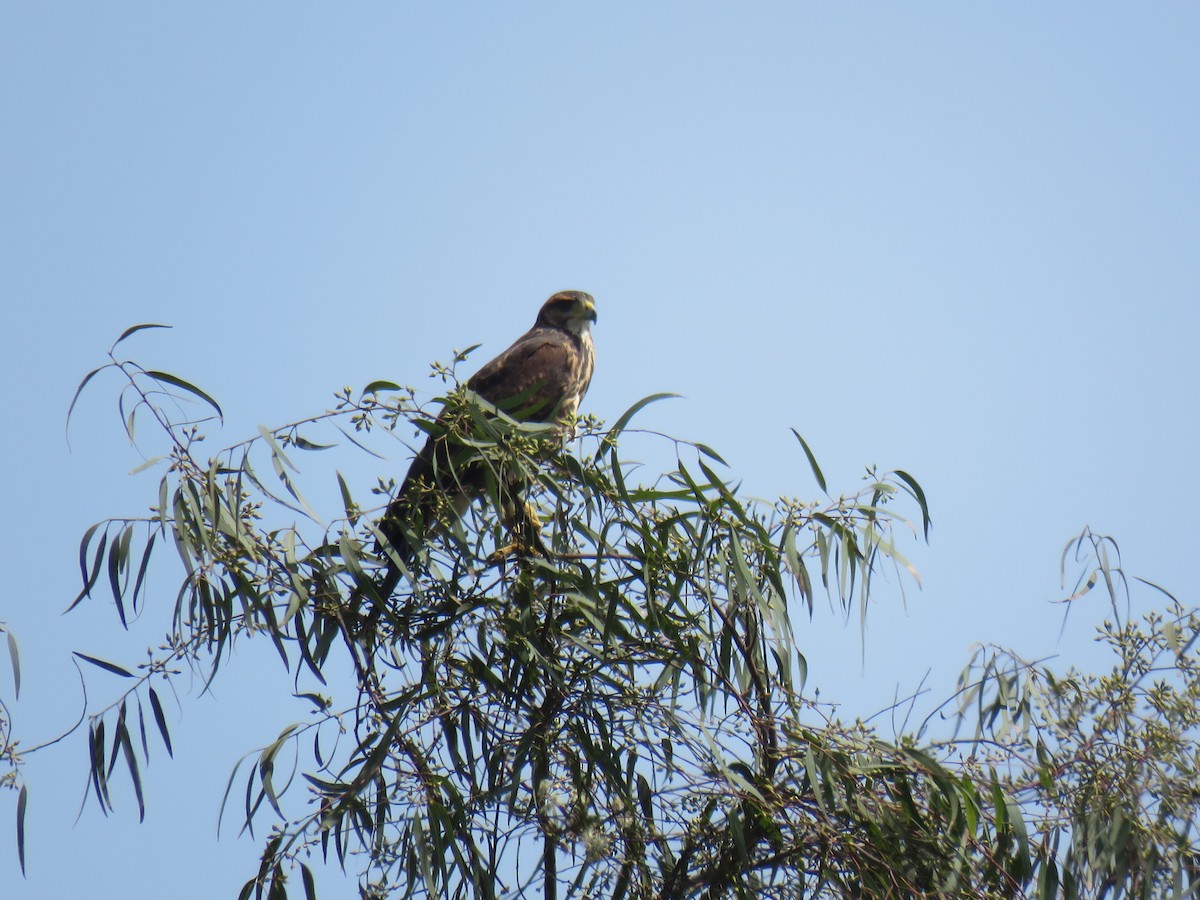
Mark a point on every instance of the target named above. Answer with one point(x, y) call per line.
point(399, 550)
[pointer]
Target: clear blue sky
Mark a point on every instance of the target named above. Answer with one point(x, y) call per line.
point(958, 239)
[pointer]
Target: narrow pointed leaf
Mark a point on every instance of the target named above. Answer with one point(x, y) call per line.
point(134, 329)
point(919, 493)
point(134, 774)
point(111, 667)
point(161, 721)
point(625, 418)
point(812, 462)
point(148, 464)
point(175, 381)
point(22, 804)
point(306, 444)
point(14, 658)
point(79, 390)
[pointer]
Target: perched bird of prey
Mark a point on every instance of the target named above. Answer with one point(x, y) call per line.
point(542, 377)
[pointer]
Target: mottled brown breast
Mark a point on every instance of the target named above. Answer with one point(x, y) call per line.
point(542, 376)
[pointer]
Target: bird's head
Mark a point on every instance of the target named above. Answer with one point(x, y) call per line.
point(572, 311)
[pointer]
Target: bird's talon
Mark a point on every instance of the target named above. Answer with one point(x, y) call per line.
point(502, 553)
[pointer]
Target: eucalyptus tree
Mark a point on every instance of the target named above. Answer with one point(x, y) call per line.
point(606, 698)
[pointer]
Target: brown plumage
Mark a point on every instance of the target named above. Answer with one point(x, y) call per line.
point(542, 377)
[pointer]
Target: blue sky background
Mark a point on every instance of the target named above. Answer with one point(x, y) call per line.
point(958, 239)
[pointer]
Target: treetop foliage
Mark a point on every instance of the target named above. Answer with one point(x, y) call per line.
point(622, 712)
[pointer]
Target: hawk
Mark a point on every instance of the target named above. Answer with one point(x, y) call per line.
point(542, 377)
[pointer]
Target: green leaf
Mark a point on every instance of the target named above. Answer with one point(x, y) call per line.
point(79, 390)
point(257, 482)
point(134, 329)
point(142, 730)
point(799, 570)
point(1171, 632)
point(14, 657)
point(117, 556)
point(745, 578)
point(22, 805)
point(357, 443)
point(228, 788)
point(310, 889)
point(1162, 590)
point(1090, 583)
point(348, 503)
point(376, 386)
point(1047, 876)
point(161, 721)
point(305, 444)
point(178, 382)
point(266, 765)
point(119, 732)
point(96, 755)
point(276, 450)
point(128, 418)
point(460, 355)
point(134, 775)
point(919, 493)
point(611, 437)
point(279, 460)
point(141, 575)
point(645, 798)
point(107, 666)
point(812, 462)
point(89, 580)
point(148, 464)
point(1022, 865)
point(710, 453)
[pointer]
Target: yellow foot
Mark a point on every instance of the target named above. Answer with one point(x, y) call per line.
point(502, 553)
point(528, 538)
